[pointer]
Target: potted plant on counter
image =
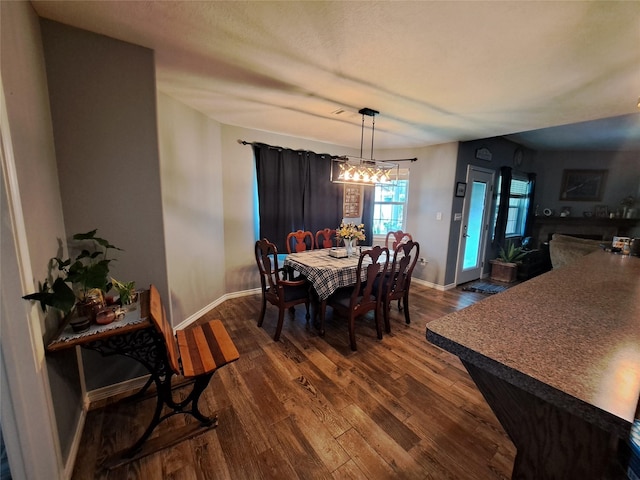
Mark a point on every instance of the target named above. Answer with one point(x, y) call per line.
point(80, 282)
point(505, 267)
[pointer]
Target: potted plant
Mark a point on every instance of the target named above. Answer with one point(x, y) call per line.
point(126, 292)
point(505, 267)
point(80, 283)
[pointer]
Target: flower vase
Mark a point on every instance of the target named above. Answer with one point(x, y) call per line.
point(348, 242)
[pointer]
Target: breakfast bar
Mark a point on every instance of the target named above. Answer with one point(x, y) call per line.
point(558, 360)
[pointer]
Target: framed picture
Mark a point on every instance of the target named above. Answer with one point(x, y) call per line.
point(602, 211)
point(351, 202)
point(461, 189)
point(583, 185)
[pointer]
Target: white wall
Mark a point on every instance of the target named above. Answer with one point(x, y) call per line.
point(43, 436)
point(240, 214)
point(430, 191)
point(192, 205)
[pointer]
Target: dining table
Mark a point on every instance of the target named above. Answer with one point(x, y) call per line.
point(327, 273)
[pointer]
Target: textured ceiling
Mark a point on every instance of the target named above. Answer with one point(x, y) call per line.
point(436, 71)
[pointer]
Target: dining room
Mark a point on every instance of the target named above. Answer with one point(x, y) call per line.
point(176, 190)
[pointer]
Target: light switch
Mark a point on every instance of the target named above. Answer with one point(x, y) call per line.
point(439, 216)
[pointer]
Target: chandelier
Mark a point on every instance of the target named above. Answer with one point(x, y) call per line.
point(362, 171)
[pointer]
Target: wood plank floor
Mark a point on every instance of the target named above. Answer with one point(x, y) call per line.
point(308, 407)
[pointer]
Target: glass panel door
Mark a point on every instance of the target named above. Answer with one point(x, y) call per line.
point(474, 228)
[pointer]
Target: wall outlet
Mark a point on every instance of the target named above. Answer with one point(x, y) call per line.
point(422, 261)
point(439, 216)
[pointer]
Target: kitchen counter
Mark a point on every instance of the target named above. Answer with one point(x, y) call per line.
point(558, 360)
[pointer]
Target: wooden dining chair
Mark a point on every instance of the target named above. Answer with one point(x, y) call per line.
point(365, 295)
point(396, 238)
point(325, 238)
point(396, 282)
point(276, 290)
point(300, 241)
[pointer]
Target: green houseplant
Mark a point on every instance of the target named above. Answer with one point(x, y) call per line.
point(126, 291)
point(77, 279)
point(505, 267)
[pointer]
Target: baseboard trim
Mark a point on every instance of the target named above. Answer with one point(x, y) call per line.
point(70, 464)
point(435, 286)
point(109, 391)
point(189, 320)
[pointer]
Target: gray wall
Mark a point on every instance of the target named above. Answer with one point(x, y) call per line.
point(502, 152)
point(623, 178)
point(103, 108)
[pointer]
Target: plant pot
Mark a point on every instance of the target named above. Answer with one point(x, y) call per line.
point(89, 307)
point(503, 272)
point(80, 323)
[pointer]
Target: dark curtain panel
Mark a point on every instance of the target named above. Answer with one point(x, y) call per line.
point(322, 199)
point(503, 206)
point(281, 175)
point(367, 213)
point(528, 227)
point(294, 193)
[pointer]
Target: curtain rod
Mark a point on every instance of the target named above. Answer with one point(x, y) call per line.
point(244, 142)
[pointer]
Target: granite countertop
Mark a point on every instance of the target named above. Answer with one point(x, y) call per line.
point(570, 336)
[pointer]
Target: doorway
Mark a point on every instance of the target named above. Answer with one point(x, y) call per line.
point(475, 224)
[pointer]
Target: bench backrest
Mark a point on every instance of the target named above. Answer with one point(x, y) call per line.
point(159, 319)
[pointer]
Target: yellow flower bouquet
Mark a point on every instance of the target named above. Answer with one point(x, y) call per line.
point(350, 231)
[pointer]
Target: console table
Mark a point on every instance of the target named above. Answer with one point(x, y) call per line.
point(558, 360)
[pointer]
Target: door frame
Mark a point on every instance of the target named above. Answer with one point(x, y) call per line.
point(28, 417)
point(465, 220)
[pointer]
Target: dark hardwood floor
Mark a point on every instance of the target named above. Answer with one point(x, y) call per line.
point(308, 407)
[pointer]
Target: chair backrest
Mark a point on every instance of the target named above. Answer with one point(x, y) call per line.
point(267, 260)
point(396, 238)
point(367, 292)
point(300, 241)
point(405, 258)
point(325, 238)
point(159, 320)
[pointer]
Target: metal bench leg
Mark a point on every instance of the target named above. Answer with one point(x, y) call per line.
point(193, 398)
point(163, 389)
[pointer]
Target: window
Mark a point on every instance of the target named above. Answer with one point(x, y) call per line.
point(389, 205)
point(518, 206)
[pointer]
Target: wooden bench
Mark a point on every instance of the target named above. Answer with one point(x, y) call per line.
point(194, 353)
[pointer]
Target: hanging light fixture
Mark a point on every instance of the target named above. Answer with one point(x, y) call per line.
point(361, 171)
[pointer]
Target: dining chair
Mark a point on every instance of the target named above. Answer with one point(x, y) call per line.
point(300, 241)
point(365, 295)
point(396, 238)
point(325, 238)
point(276, 290)
point(396, 282)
